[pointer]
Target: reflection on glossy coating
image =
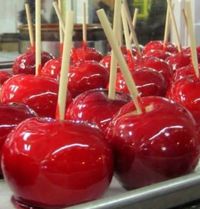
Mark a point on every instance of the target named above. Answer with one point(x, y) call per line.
point(10, 116)
point(157, 145)
point(51, 164)
point(39, 93)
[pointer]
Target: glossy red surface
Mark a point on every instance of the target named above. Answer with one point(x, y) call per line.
point(159, 45)
point(161, 54)
point(52, 164)
point(160, 144)
point(187, 93)
point(95, 107)
point(52, 68)
point(184, 72)
point(11, 115)
point(25, 63)
point(39, 93)
point(149, 82)
point(85, 53)
point(158, 65)
point(4, 76)
point(87, 75)
point(179, 60)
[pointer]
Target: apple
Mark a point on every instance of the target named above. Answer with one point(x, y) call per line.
point(11, 115)
point(179, 60)
point(55, 164)
point(157, 145)
point(39, 93)
point(25, 63)
point(149, 82)
point(87, 75)
point(161, 54)
point(85, 53)
point(94, 107)
point(4, 76)
point(159, 45)
point(186, 91)
point(157, 64)
point(52, 68)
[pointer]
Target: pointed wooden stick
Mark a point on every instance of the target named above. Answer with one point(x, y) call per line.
point(113, 63)
point(30, 24)
point(126, 30)
point(192, 37)
point(167, 26)
point(185, 20)
point(134, 22)
point(62, 95)
point(38, 47)
point(58, 13)
point(61, 34)
point(174, 24)
point(118, 54)
point(128, 17)
point(84, 25)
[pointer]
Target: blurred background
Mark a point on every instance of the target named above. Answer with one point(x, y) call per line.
point(14, 32)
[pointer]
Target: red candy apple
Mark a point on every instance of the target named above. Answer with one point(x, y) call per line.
point(159, 65)
point(187, 93)
point(179, 60)
point(85, 53)
point(87, 75)
point(149, 82)
point(4, 76)
point(161, 54)
point(94, 107)
point(159, 45)
point(53, 164)
point(25, 63)
point(11, 115)
point(39, 93)
point(159, 144)
point(52, 68)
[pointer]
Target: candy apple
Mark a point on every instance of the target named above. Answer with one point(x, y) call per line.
point(55, 164)
point(4, 76)
point(159, 45)
point(149, 82)
point(94, 107)
point(87, 75)
point(85, 53)
point(39, 93)
point(159, 144)
point(52, 68)
point(186, 92)
point(25, 63)
point(158, 65)
point(161, 54)
point(179, 60)
point(11, 115)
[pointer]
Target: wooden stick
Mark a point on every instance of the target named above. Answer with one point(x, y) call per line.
point(134, 22)
point(58, 13)
point(185, 20)
point(113, 64)
point(167, 26)
point(119, 56)
point(84, 25)
point(174, 24)
point(30, 24)
point(38, 47)
point(62, 95)
point(126, 30)
point(192, 37)
point(61, 34)
point(128, 17)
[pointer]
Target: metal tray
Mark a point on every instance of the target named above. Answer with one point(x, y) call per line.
point(164, 195)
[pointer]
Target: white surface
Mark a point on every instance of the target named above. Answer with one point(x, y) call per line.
point(5, 193)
